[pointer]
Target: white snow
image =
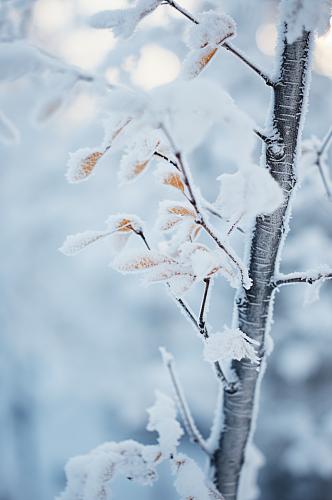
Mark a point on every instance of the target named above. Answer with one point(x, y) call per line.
point(162, 418)
point(229, 344)
point(204, 39)
point(310, 14)
point(251, 191)
point(190, 481)
point(171, 213)
point(123, 22)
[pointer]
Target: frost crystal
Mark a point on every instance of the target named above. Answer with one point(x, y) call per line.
point(230, 344)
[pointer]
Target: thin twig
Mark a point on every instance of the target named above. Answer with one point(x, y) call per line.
point(244, 58)
point(188, 420)
point(227, 45)
point(201, 322)
point(182, 10)
point(235, 225)
point(167, 159)
point(141, 234)
point(300, 279)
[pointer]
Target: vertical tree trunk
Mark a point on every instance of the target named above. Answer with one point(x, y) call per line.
point(254, 306)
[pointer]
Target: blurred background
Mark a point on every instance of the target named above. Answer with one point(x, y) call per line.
point(79, 359)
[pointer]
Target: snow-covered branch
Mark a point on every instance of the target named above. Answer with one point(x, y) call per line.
point(311, 276)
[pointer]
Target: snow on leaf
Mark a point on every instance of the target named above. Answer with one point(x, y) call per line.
point(169, 176)
point(162, 418)
point(123, 22)
point(190, 481)
point(204, 39)
point(166, 271)
point(139, 157)
point(251, 191)
point(171, 212)
point(124, 222)
point(180, 284)
point(76, 243)
point(134, 260)
point(229, 344)
point(82, 163)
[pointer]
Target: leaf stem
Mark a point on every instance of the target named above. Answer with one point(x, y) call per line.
point(201, 322)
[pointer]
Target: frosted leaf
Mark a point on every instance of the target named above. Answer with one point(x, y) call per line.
point(180, 284)
point(229, 344)
point(8, 132)
point(162, 418)
point(251, 191)
point(165, 271)
point(82, 163)
point(308, 14)
point(171, 213)
point(125, 224)
point(190, 481)
point(123, 22)
point(169, 176)
point(76, 243)
point(204, 39)
point(134, 261)
point(205, 262)
point(139, 156)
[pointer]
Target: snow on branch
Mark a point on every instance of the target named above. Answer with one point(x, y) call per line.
point(186, 416)
point(310, 15)
point(322, 272)
point(88, 476)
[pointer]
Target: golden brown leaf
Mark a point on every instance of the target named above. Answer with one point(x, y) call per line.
point(174, 179)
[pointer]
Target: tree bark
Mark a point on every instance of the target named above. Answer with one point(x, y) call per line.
point(254, 306)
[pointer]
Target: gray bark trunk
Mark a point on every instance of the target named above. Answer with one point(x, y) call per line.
point(255, 305)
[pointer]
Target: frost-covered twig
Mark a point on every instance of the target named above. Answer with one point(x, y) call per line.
point(227, 45)
point(181, 9)
point(200, 217)
point(187, 418)
point(167, 159)
point(247, 61)
point(310, 277)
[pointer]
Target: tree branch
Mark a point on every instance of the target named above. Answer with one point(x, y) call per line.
point(230, 47)
point(238, 53)
point(187, 418)
point(309, 277)
point(200, 217)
